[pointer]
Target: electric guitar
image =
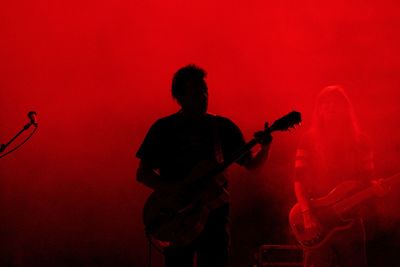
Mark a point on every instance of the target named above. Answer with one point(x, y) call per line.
point(334, 211)
point(177, 216)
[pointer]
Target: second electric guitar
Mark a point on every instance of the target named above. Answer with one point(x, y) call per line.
point(334, 211)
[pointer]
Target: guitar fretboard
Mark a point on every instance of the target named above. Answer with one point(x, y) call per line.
point(348, 204)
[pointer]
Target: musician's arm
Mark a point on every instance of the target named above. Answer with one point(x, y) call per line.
point(302, 197)
point(148, 176)
point(258, 158)
point(367, 165)
point(310, 221)
point(368, 168)
point(301, 192)
point(302, 173)
point(369, 174)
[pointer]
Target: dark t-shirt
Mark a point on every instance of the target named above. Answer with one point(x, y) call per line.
point(320, 168)
point(175, 144)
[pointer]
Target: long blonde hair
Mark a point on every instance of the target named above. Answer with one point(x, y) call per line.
point(336, 94)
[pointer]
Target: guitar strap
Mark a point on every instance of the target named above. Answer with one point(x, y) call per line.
point(219, 155)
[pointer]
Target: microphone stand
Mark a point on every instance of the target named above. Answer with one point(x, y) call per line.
point(26, 127)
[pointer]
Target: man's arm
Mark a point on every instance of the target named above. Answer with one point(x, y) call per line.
point(302, 197)
point(301, 193)
point(309, 220)
point(257, 160)
point(148, 176)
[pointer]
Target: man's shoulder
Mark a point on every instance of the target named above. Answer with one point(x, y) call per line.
point(224, 121)
point(175, 119)
point(226, 126)
point(166, 120)
point(162, 125)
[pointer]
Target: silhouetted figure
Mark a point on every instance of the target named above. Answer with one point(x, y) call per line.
point(177, 143)
point(332, 152)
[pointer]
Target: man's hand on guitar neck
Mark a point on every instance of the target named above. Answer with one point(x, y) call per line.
point(264, 138)
point(258, 158)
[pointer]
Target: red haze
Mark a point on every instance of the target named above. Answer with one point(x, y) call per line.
point(99, 74)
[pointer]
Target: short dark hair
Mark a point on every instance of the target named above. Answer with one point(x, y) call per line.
point(190, 72)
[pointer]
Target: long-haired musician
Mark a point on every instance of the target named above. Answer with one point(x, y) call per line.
point(333, 151)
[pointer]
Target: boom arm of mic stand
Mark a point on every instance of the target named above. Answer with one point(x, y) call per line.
point(4, 146)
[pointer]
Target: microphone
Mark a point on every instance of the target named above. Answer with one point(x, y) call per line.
point(33, 118)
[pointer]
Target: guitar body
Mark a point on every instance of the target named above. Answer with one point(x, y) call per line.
point(179, 218)
point(330, 220)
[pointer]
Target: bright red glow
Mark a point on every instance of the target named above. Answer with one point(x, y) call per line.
point(99, 74)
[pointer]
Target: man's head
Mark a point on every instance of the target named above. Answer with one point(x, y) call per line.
point(190, 89)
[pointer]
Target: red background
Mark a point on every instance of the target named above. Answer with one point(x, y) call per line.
point(99, 72)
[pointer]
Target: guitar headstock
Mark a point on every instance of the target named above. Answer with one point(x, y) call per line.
point(286, 122)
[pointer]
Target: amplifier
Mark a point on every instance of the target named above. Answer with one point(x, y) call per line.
point(280, 255)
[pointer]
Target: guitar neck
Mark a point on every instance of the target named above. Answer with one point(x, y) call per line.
point(245, 149)
point(239, 154)
point(353, 201)
point(348, 204)
point(236, 157)
point(284, 123)
point(203, 180)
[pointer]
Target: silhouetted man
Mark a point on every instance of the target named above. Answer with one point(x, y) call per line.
point(175, 144)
